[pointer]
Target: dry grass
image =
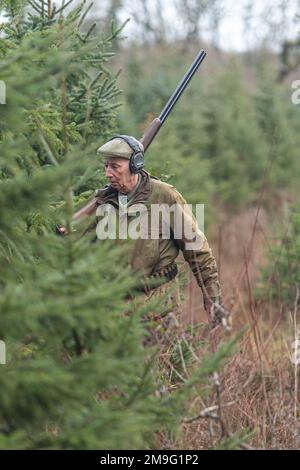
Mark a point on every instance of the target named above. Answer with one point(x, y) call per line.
point(258, 389)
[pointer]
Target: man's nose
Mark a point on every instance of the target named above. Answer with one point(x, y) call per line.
point(108, 172)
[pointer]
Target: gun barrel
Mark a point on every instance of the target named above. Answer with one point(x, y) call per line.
point(182, 85)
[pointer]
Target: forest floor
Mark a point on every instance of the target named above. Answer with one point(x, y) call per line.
point(258, 392)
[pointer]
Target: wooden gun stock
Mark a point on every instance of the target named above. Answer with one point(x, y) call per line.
point(88, 209)
point(150, 133)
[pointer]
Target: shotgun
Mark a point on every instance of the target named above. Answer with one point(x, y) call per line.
point(155, 125)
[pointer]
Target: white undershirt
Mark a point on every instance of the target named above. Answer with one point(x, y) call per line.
point(125, 198)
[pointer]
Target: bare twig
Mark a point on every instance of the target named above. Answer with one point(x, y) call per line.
point(207, 413)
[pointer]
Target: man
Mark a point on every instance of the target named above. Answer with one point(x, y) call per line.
point(154, 255)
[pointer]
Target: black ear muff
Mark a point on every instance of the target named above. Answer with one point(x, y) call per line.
point(137, 160)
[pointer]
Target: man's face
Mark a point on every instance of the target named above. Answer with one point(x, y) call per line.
point(117, 172)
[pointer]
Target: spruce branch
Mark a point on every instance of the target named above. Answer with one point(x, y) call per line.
point(47, 148)
point(89, 32)
point(116, 31)
point(63, 7)
point(85, 13)
point(35, 6)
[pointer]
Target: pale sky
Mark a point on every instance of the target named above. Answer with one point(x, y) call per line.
point(233, 33)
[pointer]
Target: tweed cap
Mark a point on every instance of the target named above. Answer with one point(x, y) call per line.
point(117, 147)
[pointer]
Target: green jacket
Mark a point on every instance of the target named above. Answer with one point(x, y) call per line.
point(152, 255)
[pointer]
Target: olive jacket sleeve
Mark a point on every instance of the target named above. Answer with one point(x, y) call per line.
point(195, 248)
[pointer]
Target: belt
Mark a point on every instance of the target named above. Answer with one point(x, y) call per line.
point(160, 277)
point(169, 272)
point(157, 278)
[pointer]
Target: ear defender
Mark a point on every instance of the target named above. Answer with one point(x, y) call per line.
point(137, 160)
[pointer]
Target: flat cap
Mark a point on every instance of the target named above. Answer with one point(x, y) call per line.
point(117, 147)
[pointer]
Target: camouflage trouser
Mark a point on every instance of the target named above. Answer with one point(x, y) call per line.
point(165, 329)
point(162, 326)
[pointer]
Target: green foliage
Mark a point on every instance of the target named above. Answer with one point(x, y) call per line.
point(90, 89)
point(278, 119)
point(235, 147)
point(281, 276)
point(74, 360)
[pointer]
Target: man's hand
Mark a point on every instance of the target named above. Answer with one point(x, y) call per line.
point(217, 313)
point(61, 230)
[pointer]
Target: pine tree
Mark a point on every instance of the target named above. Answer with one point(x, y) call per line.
point(278, 118)
point(74, 360)
point(77, 376)
point(235, 146)
point(280, 277)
